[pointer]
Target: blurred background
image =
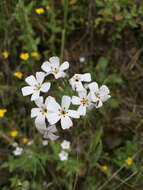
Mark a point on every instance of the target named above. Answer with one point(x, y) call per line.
point(102, 37)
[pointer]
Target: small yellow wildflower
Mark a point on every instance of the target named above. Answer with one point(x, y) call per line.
point(18, 75)
point(129, 161)
point(2, 112)
point(104, 168)
point(34, 54)
point(142, 120)
point(39, 11)
point(24, 56)
point(25, 140)
point(5, 54)
point(48, 7)
point(96, 21)
point(14, 133)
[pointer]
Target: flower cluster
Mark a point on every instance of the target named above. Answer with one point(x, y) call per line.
point(89, 95)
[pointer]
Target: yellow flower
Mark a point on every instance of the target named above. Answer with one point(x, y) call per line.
point(14, 133)
point(39, 11)
point(129, 161)
point(104, 168)
point(48, 7)
point(5, 54)
point(18, 75)
point(96, 21)
point(24, 56)
point(34, 54)
point(2, 112)
point(25, 140)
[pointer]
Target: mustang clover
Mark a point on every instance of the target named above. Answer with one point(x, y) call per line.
point(49, 111)
point(35, 86)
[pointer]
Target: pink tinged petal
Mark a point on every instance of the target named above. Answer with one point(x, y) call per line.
point(53, 118)
point(105, 98)
point(93, 86)
point(64, 66)
point(66, 101)
point(53, 106)
point(27, 90)
point(52, 137)
point(40, 77)
point(60, 75)
point(40, 126)
point(39, 102)
point(73, 114)
point(81, 110)
point(66, 122)
point(31, 80)
point(86, 77)
point(46, 66)
point(52, 129)
point(35, 112)
point(76, 100)
point(104, 90)
point(35, 95)
point(98, 104)
point(55, 61)
point(45, 87)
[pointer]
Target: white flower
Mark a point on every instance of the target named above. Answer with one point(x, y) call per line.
point(15, 144)
point(30, 142)
point(65, 144)
point(53, 67)
point(83, 100)
point(45, 143)
point(76, 81)
point(48, 133)
point(18, 151)
point(82, 59)
point(61, 112)
point(35, 85)
point(41, 112)
point(98, 95)
point(63, 155)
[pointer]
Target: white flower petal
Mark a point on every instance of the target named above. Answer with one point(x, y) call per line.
point(40, 77)
point(48, 99)
point(105, 98)
point(40, 119)
point(83, 93)
point(79, 86)
point(73, 114)
point(66, 122)
point(39, 102)
point(63, 155)
point(55, 61)
point(76, 100)
point(31, 80)
point(64, 66)
point(53, 118)
point(40, 127)
point(86, 77)
point(93, 86)
point(45, 87)
point(104, 90)
point(46, 66)
point(35, 112)
point(35, 95)
point(93, 97)
point(60, 75)
point(27, 90)
point(81, 110)
point(66, 101)
point(53, 106)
